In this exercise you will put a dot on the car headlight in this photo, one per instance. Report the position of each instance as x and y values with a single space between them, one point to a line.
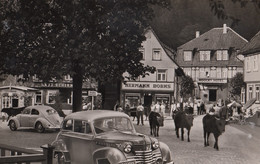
128 148
155 145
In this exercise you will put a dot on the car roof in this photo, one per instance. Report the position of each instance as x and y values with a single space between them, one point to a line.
40 107
91 115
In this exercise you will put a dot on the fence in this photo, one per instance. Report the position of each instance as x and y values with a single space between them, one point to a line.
12 154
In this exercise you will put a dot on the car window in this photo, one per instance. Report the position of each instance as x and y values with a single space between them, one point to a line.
26 111
113 124
35 112
51 111
67 125
82 127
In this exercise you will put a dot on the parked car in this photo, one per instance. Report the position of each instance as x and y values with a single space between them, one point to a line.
106 137
40 117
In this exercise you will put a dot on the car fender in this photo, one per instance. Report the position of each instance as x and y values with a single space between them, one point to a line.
44 122
166 152
113 155
15 119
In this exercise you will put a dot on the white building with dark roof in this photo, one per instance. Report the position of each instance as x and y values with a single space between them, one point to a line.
211 60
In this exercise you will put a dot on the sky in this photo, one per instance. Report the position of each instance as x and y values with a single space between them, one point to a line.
178 25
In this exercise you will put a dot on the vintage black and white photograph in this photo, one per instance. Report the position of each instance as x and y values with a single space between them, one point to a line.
129 81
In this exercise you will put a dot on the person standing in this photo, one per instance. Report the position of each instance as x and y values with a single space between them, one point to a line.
127 109
198 107
157 107
162 107
153 107
140 113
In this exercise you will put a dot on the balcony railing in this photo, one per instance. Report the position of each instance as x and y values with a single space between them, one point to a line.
212 80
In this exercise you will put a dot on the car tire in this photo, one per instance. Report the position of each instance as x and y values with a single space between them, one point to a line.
39 127
12 125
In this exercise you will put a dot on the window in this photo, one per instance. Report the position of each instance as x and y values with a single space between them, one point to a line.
142 51
222 55
187 71
255 63
50 98
38 97
202 72
26 111
218 72
157 54
187 55
204 55
243 97
257 94
68 77
247 64
35 112
161 75
67 125
79 126
250 92
213 72
224 72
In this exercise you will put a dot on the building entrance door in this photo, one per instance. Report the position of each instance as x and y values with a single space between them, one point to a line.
212 95
147 100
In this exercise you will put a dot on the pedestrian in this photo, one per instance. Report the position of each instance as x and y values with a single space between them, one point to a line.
157 107
147 110
116 105
119 108
152 107
162 109
198 107
173 109
127 109
140 113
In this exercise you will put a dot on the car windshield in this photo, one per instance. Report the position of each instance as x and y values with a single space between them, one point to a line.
113 124
51 111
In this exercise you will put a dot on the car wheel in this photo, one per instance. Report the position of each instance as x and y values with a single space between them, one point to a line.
39 127
12 125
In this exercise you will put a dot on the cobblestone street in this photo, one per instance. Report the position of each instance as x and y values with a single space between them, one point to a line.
239 144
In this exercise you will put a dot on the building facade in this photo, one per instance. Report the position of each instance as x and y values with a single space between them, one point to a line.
251 52
159 86
211 60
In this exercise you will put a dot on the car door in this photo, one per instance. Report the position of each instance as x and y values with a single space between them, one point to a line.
80 142
34 116
24 117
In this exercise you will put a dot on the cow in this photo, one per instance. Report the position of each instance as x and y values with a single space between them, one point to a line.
155 121
183 120
212 124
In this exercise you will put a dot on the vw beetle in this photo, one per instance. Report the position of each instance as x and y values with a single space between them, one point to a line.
106 137
39 117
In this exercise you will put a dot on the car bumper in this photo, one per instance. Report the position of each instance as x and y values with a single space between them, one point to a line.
169 162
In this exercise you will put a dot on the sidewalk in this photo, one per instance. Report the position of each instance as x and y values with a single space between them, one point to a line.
3 125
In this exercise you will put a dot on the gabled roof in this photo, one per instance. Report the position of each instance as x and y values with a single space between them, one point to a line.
252 46
215 39
23 88
171 53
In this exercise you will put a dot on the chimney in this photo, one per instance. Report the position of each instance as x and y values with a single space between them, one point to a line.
197 34
224 28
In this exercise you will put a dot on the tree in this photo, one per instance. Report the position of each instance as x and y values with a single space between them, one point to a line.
187 86
97 39
236 84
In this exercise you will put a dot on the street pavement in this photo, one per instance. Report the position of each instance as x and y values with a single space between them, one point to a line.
239 144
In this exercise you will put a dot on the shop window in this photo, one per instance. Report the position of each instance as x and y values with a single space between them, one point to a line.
161 75
51 97
157 54
132 100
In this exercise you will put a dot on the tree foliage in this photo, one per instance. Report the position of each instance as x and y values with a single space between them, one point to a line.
97 39
236 83
187 86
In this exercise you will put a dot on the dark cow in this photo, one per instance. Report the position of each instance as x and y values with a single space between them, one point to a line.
183 120
212 124
155 121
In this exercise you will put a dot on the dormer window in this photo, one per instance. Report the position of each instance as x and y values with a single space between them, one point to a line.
204 55
187 55
222 55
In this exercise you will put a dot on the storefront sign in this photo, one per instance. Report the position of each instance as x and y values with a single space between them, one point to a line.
57 85
147 86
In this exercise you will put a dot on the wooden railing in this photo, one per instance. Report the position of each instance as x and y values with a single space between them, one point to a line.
12 154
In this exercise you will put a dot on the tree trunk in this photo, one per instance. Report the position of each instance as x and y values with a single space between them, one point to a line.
77 89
